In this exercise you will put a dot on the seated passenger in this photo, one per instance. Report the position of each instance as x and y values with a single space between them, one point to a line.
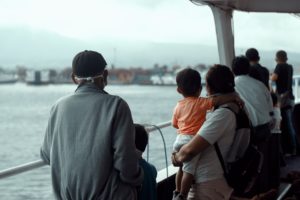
219 126
148 189
89 140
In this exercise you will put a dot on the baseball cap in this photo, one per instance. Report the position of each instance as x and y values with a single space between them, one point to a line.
88 64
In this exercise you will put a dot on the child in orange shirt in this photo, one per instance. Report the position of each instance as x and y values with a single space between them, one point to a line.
189 115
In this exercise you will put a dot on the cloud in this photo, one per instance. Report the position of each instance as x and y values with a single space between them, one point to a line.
267 31
148 20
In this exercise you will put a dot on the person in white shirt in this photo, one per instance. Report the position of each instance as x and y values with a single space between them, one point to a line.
258 103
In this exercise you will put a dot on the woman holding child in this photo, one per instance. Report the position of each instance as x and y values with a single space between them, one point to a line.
219 127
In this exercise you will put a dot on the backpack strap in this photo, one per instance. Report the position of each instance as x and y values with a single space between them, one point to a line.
221 159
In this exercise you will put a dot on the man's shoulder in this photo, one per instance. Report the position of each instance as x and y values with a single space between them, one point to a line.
265 69
243 79
248 83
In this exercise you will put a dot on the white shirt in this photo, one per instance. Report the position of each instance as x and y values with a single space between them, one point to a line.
257 98
219 126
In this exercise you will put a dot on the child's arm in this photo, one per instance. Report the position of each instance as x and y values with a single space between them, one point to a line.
227 98
174 122
174 118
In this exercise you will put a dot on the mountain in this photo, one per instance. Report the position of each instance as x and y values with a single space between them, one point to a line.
42 49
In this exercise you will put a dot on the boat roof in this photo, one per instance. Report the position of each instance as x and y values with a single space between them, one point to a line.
281 6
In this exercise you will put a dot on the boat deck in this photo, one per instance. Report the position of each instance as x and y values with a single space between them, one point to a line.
292 164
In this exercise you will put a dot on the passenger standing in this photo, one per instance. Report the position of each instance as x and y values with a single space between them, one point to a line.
189 115
89 141
283 77
259 106
257 71
219 126
275 153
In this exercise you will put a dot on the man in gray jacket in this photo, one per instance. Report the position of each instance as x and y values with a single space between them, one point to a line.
90 139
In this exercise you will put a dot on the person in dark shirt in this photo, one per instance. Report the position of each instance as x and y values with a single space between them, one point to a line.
256 70
283 77
148 189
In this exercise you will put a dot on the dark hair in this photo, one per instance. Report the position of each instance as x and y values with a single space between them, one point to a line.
252 54
281 56
88 64
141 137
189 81
220 79
274 98
240 65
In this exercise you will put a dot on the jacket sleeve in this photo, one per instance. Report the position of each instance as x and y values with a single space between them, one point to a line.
46 146
123 144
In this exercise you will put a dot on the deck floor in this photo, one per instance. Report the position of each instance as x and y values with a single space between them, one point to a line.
292 164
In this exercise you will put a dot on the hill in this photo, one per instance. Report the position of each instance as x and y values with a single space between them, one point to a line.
42 49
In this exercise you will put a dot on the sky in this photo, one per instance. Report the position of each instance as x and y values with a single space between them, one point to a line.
158 21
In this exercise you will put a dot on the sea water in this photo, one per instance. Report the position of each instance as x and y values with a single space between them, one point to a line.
24 112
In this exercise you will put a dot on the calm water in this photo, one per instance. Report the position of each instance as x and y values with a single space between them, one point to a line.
24 111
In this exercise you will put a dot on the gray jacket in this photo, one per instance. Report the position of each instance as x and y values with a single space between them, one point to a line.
89 144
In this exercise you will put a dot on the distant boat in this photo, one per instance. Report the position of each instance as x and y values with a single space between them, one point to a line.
8 78
37 77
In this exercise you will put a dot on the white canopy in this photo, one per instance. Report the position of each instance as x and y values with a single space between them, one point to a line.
283 6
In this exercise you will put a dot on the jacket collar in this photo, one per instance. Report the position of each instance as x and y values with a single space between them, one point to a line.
89 87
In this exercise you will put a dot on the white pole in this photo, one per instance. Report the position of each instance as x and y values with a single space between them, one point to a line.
225 36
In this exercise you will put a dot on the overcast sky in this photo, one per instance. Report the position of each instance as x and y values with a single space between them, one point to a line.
177 21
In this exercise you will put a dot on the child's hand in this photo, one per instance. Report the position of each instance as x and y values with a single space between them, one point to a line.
174 161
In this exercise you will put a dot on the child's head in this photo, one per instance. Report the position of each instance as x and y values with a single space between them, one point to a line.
281 56
274 98
189 82
141 137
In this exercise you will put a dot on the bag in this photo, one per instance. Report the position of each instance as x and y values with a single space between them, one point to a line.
243 161
285 100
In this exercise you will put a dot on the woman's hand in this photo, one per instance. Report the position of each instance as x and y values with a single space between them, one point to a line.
175 161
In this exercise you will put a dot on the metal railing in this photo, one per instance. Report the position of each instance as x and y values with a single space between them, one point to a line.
40 163
296 79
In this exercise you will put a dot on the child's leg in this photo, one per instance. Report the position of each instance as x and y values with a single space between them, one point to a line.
189 170
178 180
186 183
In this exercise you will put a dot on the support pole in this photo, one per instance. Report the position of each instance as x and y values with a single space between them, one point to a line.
225 36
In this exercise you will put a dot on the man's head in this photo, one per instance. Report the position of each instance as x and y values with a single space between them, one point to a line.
252 55
281 56
141 137
219 79
240 66
89 66
189 82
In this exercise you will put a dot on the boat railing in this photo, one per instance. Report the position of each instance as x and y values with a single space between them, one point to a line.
296 80
40 163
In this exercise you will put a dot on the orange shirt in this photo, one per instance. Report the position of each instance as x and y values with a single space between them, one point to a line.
189 114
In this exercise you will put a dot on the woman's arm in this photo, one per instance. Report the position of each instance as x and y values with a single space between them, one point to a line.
188 151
